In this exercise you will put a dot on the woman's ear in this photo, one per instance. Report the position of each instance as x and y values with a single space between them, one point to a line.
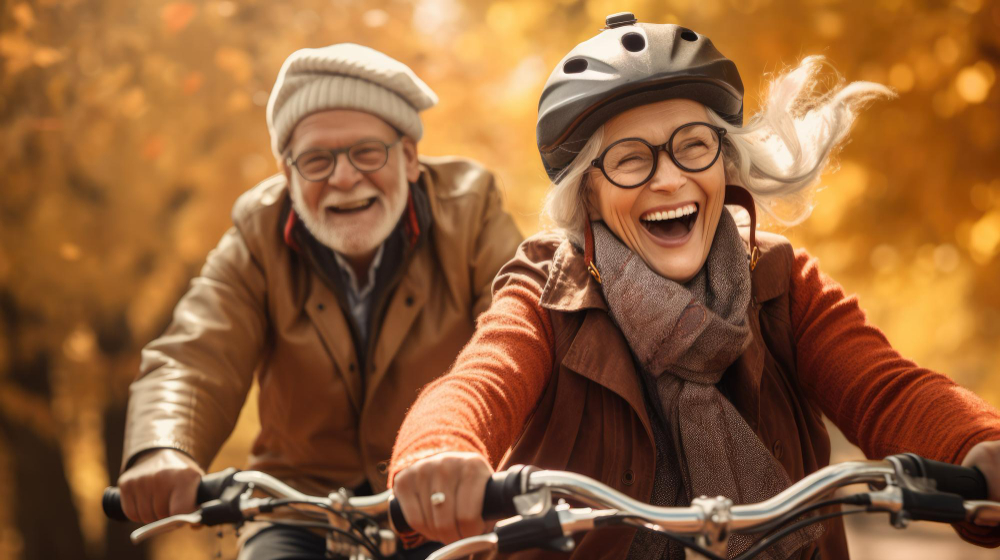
410 155
589 198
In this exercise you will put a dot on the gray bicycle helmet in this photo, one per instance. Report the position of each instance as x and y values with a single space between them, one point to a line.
627 65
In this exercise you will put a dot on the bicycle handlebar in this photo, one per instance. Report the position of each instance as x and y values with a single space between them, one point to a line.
967 482
915 488
210 488
504 486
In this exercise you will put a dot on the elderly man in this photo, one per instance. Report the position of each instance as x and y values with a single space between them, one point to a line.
348 282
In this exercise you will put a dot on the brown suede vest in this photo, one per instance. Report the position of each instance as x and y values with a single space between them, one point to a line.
592 418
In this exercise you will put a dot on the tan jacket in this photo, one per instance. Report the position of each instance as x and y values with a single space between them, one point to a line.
592 418
259 308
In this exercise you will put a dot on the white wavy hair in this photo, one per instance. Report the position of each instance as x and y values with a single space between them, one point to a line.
778 156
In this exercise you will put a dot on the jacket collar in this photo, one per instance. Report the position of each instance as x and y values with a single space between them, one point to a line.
571 287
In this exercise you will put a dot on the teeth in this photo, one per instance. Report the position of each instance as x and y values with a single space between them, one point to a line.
353 205
670 214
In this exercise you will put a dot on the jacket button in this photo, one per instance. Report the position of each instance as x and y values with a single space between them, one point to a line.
409 301
628 477
777 449
350 368
320 306
382 467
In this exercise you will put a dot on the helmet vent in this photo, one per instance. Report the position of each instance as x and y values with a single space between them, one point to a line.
689 35
575 66
633 42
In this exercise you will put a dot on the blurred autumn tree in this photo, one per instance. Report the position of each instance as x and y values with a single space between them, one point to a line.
128 129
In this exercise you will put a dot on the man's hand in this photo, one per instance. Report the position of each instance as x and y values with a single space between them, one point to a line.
458 480
161 483
986 457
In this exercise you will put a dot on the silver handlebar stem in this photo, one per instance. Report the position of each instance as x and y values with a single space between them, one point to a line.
809 489
466 547
371 505
692 520
676 519
276 487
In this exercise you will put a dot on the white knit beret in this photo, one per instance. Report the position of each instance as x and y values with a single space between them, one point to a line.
345 76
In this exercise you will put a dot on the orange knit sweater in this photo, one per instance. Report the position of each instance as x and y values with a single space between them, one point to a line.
883 403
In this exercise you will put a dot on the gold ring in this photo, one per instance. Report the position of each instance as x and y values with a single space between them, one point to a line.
437 498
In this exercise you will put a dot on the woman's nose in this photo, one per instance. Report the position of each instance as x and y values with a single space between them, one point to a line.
668 177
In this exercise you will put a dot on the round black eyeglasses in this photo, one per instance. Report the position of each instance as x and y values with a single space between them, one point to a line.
630 162
367 156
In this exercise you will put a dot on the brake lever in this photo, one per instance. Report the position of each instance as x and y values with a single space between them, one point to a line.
466 547
231 507
983 513
165 525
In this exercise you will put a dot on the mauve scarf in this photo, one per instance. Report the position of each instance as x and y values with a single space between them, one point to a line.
683 338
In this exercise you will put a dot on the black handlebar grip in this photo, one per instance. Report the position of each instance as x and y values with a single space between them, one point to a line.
396 516
498 497
210 488
933 506
502 488
213 485
967 482
112 504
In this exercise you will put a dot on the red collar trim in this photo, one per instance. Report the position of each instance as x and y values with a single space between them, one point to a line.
289 227
412 224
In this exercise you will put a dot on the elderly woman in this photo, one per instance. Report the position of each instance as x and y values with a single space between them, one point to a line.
653 344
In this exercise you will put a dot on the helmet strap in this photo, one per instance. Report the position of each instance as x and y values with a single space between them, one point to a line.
588 250
739 196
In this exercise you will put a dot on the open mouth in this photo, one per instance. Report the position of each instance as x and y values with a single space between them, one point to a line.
670 225
351 207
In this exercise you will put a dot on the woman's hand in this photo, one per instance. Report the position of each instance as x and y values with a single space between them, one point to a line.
460 478
986 457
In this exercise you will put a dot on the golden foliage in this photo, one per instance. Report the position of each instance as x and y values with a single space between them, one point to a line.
128 130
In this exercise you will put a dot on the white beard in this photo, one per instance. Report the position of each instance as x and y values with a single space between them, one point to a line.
351 241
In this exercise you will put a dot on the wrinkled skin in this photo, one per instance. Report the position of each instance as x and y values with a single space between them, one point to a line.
461 477
160 483
357 235
621 209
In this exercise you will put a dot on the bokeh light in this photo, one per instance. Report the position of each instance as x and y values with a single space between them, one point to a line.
127 130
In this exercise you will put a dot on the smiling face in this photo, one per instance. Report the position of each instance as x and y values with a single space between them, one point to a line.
351 212
670 220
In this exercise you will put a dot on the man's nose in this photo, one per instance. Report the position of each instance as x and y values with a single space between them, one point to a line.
668 177
344 176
